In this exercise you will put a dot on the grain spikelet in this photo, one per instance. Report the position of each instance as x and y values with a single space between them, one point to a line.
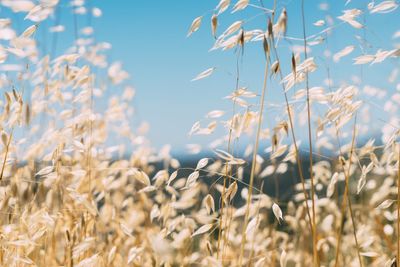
202 163
192 179
233 28
29 31
281 25
4 138
331 187
204 74
141 177
277 212
223 6
253 225
111 255
215 114
283 259
92 261
384 7
319 23
214 24
349 17
82 247
203 229
196 23
386 204
133 254
19 6
209 203
240 5
344 52
172 177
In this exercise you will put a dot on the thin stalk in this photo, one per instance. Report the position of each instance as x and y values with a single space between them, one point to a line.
226 166
346 197
354 228
298 159
229 214
346 192
89 155
314 225
253 163
254 234
398 211
222 198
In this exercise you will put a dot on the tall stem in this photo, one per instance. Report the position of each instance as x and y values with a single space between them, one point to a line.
346 197
314 225
291 125
227 177
398 209
253 163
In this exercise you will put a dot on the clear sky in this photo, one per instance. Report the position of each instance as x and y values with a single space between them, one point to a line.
149 37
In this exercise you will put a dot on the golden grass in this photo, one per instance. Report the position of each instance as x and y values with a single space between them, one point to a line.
80 186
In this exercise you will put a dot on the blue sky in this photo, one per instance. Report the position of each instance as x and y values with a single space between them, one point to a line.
149 37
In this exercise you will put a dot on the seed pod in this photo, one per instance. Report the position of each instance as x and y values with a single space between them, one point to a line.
15 94
66 72
209 248
195 25
29 31
270 28
27 114
209 204
284 125
8 98
4 138
241 38
282 22
294 66
265 46
274 141
342 160
68 237
214 24
275 67
231 192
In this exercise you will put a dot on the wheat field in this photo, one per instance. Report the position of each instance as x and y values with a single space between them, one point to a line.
315 180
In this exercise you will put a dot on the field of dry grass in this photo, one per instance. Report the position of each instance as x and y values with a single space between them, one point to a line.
79 186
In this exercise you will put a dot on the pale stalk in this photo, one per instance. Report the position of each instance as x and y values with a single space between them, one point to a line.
314 225
346 197
298 159
398 209
253 163
226 169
